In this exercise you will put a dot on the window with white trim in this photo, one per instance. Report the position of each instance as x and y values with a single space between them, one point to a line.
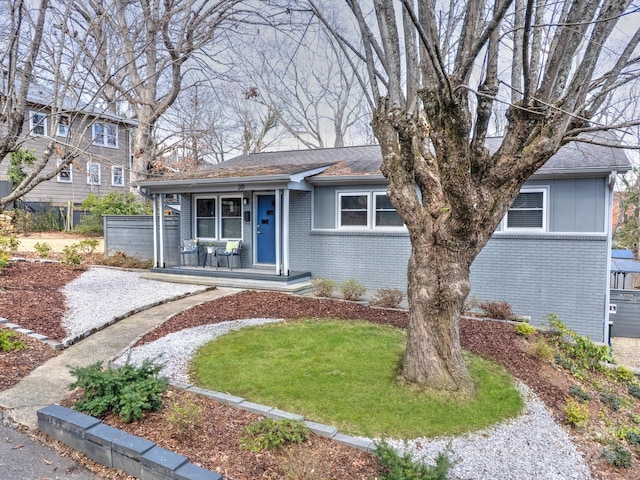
385 214
65 175
231 217
63 126
117 176
206 218
93 173
528 211
218 217
105 134
37 123
353 210
367 210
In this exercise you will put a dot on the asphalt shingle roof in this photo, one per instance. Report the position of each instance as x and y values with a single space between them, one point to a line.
365 160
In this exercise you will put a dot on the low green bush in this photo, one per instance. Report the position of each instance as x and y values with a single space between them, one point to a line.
634 390
617 455
579 393
268 433
577 414
583 352
525 329
8 341
611 400
352 290
184 415
71 255
43 249
127 391
87 245
323 287
398 467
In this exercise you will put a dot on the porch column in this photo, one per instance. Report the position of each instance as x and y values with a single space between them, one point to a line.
278 233
285 232
155 231
161 226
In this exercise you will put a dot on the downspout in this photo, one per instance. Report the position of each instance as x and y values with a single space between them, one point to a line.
161 228
609 230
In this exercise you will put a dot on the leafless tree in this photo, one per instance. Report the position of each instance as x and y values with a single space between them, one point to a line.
37 73
139 50
433 99
305 80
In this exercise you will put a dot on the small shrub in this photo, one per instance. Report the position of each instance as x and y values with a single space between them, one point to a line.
269 433
387 298
498 310
352 290
302 464
4 260
71 255
633 437
127 391
323 287
580 349
541 349
8 342
578 392
577 413
43 249
621 374
9 243
617 455
405 468
184 415
525 329
611 400
634 390
87 245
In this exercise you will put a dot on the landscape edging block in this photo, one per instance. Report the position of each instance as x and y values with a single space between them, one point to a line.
114 448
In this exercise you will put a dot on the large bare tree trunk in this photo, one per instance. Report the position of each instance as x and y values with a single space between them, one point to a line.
438 286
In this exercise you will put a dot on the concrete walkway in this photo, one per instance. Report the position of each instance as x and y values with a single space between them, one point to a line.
48 383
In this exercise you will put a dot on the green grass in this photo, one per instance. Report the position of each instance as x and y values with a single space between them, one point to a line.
343 374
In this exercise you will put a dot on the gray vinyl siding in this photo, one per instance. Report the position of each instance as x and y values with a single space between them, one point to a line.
575 204
59 193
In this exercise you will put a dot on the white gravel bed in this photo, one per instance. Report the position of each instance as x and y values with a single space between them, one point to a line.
175 350
530 446
100 294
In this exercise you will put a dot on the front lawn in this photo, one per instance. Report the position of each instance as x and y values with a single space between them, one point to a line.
343 373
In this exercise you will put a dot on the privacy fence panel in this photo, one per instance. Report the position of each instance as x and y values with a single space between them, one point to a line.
133 235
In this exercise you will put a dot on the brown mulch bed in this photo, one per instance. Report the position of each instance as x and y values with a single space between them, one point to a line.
29 296
17 364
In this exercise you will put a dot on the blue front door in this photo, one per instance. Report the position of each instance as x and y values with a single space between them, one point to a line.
266 229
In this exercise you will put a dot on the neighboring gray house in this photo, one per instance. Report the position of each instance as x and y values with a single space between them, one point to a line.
324 213
102 138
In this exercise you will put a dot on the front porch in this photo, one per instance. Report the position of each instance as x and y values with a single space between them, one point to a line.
247 277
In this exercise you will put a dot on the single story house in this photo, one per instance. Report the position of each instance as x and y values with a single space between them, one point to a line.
324 213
